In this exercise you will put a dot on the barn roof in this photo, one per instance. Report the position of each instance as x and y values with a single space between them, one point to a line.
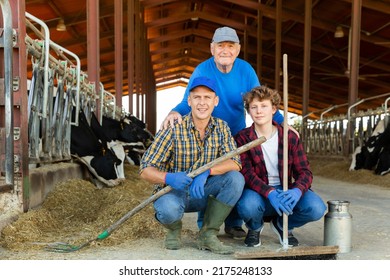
178 33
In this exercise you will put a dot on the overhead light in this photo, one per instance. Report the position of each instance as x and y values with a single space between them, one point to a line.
61 25
195 9
339 33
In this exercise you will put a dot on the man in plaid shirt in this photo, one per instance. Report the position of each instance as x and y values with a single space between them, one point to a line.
178 150
262 168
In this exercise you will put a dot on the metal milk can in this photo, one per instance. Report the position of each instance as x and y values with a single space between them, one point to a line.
338 226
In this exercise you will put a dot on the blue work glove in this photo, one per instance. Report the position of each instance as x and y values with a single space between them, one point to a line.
197 186
290 197
275 201
178 180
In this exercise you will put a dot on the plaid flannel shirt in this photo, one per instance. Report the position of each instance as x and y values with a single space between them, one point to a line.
180 149
254 169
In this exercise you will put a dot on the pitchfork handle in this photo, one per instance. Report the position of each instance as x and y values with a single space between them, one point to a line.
192 174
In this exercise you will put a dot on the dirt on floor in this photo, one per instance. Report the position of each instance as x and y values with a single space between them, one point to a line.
76 212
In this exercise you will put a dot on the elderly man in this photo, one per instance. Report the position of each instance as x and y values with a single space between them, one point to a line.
233 77
182 148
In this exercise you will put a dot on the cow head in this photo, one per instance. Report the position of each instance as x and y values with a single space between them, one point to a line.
132 133
105 165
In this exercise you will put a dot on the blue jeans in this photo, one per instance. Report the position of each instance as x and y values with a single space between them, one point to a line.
226 188
234 219
252 207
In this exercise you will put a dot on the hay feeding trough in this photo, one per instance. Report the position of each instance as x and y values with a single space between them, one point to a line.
76 211
338 169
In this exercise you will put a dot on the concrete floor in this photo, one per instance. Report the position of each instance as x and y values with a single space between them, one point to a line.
369 206
370 209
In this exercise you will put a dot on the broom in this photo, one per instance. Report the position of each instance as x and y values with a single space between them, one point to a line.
286 250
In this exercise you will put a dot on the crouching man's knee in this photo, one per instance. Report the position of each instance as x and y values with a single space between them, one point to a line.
232 186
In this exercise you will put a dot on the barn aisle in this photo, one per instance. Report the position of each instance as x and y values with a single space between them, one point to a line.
370 235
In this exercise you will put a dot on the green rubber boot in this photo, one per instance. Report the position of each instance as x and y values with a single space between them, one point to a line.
215 215
173 236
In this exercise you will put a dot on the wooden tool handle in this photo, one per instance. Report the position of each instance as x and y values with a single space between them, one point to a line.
229 155
192 174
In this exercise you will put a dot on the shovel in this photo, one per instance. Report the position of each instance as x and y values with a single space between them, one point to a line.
65 247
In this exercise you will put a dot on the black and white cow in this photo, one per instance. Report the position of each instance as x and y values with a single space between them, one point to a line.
383 166
138 128
136 149
103 134
104 148
131 133
374 154
97 154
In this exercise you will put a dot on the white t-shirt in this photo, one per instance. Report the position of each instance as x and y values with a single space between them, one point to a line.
270 151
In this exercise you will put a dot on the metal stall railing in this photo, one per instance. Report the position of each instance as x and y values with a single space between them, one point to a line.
6 42
40 103
63 110
108 106
50 118
357 134
387 112
329 136
107 99
46 117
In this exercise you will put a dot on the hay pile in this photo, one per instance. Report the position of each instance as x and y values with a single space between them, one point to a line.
76 211
338 169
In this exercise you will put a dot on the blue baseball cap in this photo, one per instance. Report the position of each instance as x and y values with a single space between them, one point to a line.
225 34
204 81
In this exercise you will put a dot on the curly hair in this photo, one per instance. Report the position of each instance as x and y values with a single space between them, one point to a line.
262 93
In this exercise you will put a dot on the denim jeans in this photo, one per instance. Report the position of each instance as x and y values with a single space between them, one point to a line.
252 207
234 219
226 188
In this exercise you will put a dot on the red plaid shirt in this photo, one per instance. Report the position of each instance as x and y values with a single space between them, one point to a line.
254 169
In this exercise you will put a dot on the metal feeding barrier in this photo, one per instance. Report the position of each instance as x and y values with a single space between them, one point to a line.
7 42
334 135
58 88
